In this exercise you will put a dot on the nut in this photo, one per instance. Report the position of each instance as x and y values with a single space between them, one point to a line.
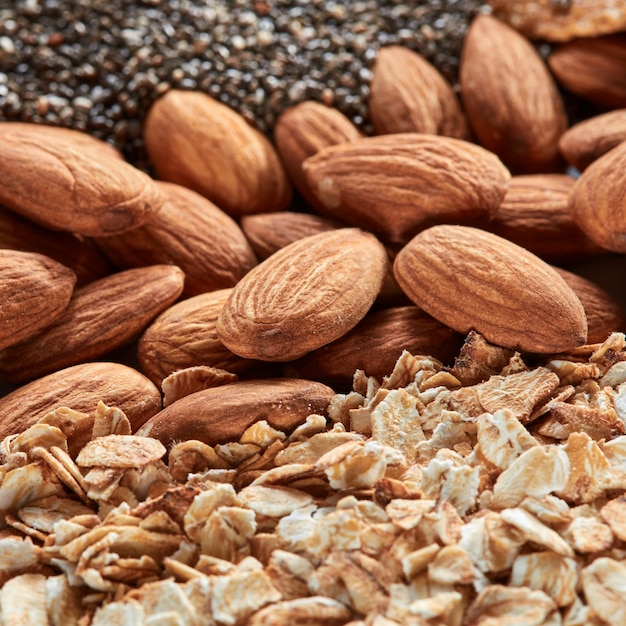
469 279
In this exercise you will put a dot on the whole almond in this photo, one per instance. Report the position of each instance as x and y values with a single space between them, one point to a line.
396 185
185 335
199 143
81 387
65 180
221 414
592 68
534 214
35 291
588 140
374 346
510 99
191 232
302 131
304 296
598 203
470 279
604 314
102 316
409 95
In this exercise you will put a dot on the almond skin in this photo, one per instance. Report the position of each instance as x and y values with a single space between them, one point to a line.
374 346
81 387
396 185
590 139
35 291
598 200
304 296
302 131
534 214
102 316
221 414
409 95
65 180
185 335
510 99
199 143
190 232
470 279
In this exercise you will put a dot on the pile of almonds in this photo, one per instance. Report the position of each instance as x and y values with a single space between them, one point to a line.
254 293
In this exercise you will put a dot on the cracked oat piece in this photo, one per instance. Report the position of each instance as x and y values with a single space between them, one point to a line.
186 381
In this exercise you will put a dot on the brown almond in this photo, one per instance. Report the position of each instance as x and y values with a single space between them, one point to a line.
593 68
221 414
199 143
190 232
65 180
302 131
396 185
102 316
34 290
374 346
409 95
81 387
598 203
510 99
185 335
304 296
590 139
604 314
470 279
534 214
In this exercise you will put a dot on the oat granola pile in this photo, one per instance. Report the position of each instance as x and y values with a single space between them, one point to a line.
485 494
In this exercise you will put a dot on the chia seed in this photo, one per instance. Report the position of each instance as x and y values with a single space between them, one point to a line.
99 66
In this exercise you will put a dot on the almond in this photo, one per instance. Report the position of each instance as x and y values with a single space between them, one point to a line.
396 185
185 335
190 232
597 201
470 279
534 214
604 314
588 140
303 296
409 95
593 69
510 99
35 290
374 346
221 414
80 388
302 131
102 316
199 143
65 180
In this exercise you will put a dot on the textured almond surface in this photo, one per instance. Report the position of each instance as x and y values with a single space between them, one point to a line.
67 180
408 94
469 279
80 387
102 316
590 139
185 335
191 232
199 143
598 200
397 184
221 414
34 291
304 296
510 99
593 69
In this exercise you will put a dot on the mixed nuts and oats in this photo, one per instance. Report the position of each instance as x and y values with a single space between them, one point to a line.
290 321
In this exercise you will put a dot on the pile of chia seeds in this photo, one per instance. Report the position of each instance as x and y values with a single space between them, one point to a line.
98 66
